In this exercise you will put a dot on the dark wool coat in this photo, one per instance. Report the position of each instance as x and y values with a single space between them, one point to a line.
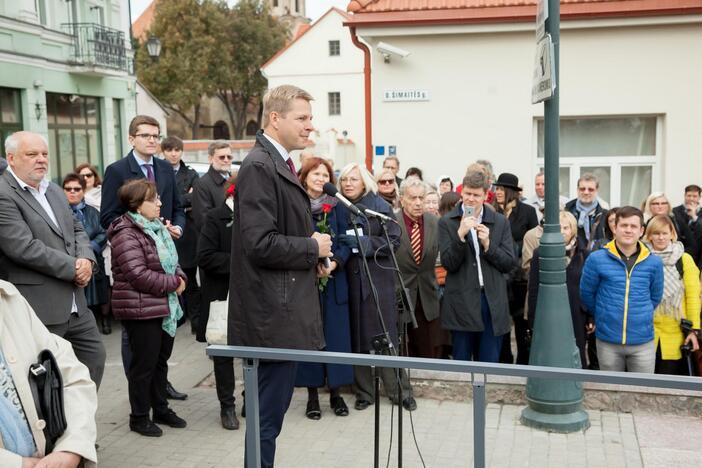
577 312
208 193
335 311
141 287
214 248
187 244
689 233
598 223
273 300
96 292
364 316
460 308
420 279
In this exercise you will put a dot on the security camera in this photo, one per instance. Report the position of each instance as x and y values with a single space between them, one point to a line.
387 50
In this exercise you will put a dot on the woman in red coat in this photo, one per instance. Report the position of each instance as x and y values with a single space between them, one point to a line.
147 282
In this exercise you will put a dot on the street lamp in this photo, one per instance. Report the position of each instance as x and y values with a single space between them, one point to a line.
153 47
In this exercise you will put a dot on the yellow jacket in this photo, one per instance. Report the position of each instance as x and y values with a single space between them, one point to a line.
666 328
22 337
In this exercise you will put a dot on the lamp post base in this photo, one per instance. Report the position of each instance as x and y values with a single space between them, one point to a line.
577 420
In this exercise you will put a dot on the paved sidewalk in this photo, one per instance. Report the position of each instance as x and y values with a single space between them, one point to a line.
443 430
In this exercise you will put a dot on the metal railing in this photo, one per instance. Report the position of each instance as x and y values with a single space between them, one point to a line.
100 46
479 370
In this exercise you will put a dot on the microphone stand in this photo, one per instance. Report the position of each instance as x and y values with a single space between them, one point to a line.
380 342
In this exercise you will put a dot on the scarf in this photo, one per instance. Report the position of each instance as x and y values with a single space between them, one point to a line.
318 203
78 211
507 210
570 249
584 212
673 287
169 261
14 429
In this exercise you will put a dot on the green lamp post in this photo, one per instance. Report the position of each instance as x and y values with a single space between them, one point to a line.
553 405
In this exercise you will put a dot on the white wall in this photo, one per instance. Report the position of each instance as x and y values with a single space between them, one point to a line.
307 64
146 105
480 85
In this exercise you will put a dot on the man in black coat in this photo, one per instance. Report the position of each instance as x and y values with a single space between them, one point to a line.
273 296
208 192
172 148
591 216
477 251
688 214
144 136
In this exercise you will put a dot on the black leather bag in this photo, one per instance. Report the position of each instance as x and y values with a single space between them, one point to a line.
47 389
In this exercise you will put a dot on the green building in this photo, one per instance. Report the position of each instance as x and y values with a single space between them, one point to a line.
66 71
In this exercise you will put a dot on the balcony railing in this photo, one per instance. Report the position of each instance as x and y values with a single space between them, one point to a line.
99 46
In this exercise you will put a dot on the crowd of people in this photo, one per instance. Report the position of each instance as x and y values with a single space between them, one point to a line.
152 244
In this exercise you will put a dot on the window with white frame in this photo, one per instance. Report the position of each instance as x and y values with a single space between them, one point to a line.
623 152
335 103
334 48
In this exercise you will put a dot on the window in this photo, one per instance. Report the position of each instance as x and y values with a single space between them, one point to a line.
117 122
297 6
335 103
334 48
251 128
623 152
10 115
74 133
41 11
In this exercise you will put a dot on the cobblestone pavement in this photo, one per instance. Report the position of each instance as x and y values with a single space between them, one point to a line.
443 431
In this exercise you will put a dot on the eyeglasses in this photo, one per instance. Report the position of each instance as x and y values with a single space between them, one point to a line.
352 180
227 157
586 189
72 189
88 175
662 203
386 181
154 200
148 136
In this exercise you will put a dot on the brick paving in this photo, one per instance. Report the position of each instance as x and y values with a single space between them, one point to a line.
443 430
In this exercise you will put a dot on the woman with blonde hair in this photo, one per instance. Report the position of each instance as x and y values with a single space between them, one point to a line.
681 296
658 204
387 188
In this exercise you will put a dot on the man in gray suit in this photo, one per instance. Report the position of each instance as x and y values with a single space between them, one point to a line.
44 250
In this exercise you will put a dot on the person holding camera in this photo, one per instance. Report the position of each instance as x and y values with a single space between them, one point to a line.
681 297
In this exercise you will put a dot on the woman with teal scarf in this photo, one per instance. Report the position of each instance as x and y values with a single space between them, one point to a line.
147 283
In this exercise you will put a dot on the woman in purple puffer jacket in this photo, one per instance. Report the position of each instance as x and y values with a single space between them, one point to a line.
147 282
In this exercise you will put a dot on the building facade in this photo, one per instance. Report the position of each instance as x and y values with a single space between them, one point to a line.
67 73
457 87
324 62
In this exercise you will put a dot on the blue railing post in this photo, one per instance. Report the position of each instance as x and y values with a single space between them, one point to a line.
479 421
253 425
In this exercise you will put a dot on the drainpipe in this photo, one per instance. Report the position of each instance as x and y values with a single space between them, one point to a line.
367 87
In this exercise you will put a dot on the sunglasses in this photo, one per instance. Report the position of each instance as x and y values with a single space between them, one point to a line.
88 175
226 157
72 189
386 182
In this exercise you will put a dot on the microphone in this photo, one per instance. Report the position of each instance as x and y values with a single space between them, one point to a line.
332 191
375 214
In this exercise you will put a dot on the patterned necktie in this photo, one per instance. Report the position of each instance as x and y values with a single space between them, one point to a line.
149 173
291 165
416 243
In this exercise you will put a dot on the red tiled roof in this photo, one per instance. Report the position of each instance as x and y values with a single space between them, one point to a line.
141 25
301 31
402 12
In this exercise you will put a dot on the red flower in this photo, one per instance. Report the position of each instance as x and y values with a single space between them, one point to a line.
326 208
231 189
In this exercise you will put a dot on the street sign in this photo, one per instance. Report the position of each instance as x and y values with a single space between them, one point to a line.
541 15
544 83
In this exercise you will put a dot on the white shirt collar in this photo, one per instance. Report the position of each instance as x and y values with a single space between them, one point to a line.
43 185
283 152
140 161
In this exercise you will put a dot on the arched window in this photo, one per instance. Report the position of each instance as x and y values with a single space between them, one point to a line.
220 130
251 128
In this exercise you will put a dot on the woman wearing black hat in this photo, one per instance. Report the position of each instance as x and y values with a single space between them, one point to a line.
522 217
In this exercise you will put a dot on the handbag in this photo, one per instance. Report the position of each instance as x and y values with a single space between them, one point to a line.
47 389
216 331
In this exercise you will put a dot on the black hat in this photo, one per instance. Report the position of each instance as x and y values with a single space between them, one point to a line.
508 180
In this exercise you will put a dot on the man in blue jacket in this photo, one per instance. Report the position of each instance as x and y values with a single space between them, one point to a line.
621 286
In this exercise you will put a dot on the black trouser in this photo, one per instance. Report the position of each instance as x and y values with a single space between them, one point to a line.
224 380
670 366
192 297
150 348
81 331
518 291
276 382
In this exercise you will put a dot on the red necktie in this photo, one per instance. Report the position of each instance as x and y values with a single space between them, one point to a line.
291 165
416 243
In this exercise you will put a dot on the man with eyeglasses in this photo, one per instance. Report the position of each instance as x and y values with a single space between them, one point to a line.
44 250
591 215
140 162
392 163
208 191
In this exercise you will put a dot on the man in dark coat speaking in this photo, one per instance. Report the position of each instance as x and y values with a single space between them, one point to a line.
273 300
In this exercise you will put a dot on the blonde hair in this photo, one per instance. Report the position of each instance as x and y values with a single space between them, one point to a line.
657 224
279 100
366 177
567 216
647 204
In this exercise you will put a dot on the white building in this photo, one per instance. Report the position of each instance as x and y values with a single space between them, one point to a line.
629 93
323 61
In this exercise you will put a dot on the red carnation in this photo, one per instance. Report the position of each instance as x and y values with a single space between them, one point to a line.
231 189
326 208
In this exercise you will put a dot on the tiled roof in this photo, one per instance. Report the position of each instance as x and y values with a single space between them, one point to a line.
398 12
142 24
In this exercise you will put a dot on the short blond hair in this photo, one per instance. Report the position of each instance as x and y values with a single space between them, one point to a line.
279 100
568 217
657 224
366 177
